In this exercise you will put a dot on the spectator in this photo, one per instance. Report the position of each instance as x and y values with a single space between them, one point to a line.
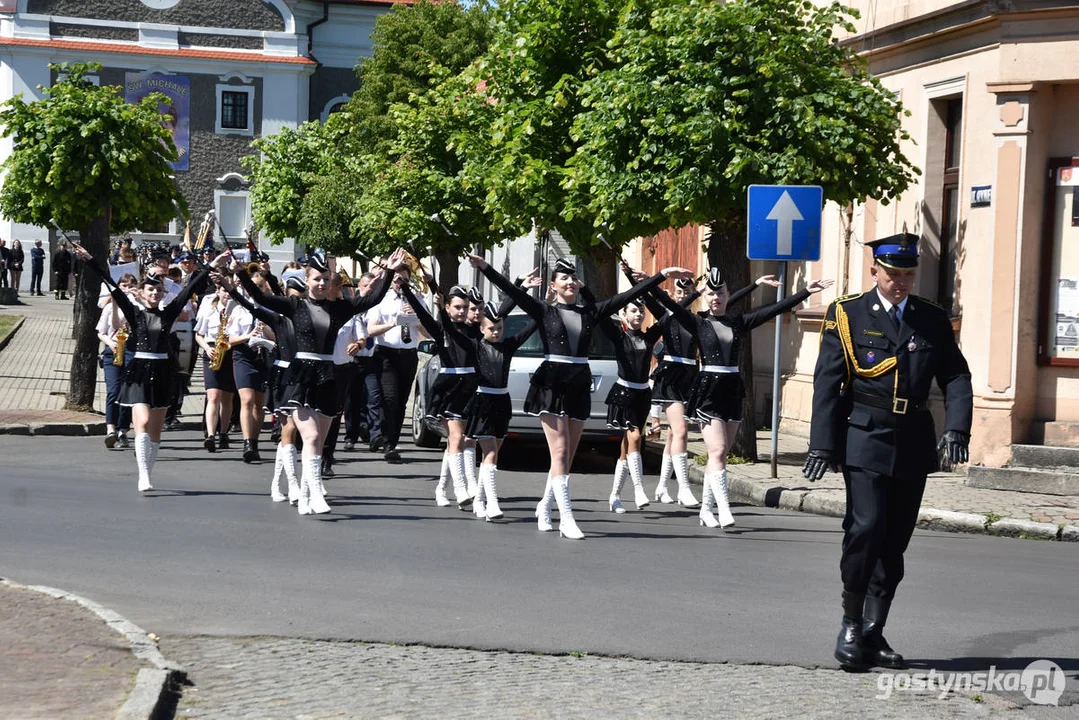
37 268
4 253
16 257
61 267
117 417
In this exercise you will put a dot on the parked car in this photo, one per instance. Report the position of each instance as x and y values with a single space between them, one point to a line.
429 433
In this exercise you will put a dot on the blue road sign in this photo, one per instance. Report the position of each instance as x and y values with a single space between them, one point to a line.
784 222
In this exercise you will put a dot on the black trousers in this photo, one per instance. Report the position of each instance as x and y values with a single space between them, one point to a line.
61 283
881 514
398 368
36 274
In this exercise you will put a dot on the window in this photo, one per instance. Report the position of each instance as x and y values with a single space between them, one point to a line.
949 213
235 110
233 215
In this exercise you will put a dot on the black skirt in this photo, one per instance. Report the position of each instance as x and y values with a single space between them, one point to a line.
220 379
716 396
628 407
449 395
313 384
488 416
275 400
673 382
248 368
560 389
148 382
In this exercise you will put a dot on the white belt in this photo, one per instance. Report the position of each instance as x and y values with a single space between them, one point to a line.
281 363
151 356
457 371
570 359
632 385
492 391
720 368
314 356
682 360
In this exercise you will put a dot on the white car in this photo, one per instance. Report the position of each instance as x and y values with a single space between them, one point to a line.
429 433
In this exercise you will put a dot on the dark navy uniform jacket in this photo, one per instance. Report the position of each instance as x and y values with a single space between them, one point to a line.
872 384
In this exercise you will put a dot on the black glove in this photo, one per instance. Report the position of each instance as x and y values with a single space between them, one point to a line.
953 446
817 463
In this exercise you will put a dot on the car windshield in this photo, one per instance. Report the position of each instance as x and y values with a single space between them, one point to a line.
602 348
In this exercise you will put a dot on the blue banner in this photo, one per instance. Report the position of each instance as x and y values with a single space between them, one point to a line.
176 112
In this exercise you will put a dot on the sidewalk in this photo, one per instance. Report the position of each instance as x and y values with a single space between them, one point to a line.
62 656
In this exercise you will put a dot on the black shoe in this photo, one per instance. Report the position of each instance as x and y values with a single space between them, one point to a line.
327 467
392 454
223 441
350 444
122 441
210 444
876 649
251 451
848 646
377 443
110 440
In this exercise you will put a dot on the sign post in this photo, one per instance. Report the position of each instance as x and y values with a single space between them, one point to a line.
783 224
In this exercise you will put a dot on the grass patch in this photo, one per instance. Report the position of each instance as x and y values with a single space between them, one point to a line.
732 459
7 324
990 518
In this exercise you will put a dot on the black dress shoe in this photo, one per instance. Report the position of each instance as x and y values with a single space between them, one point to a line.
210 444
223 441
392 454
848 646
876 649
251 451
327 467
377 443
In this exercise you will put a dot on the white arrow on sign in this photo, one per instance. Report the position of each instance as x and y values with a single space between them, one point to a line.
785 213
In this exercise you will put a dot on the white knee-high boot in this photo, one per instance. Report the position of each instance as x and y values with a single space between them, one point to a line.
313 473
708 501
303 503
460 486
635 463
567 526
681 474
479 502
488 473
620 473
288 465
154 447
470 471
543 508
666 467
443 478
142 459
278 471
723 505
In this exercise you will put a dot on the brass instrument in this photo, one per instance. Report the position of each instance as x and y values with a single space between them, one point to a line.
253 267
221 344
204 231
417 272
121 344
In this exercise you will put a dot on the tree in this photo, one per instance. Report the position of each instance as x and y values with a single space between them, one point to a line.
83 158
703 99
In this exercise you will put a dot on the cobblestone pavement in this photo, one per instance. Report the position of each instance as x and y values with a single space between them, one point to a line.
283 678
59 660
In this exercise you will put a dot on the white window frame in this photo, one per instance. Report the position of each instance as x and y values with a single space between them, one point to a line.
340 99
218 194
250 129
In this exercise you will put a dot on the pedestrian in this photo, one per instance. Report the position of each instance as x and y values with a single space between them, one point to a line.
212 318
395 327
16 257
561 388
363 412
880 353
716 398
148 380
112 331
311 380
37 268
61 267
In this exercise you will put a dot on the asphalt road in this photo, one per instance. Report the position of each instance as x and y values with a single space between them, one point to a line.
208 553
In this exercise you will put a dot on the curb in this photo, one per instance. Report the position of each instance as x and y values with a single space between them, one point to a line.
146 699
928 518
54 429
11 333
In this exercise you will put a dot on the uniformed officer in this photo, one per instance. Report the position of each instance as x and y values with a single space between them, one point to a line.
880 351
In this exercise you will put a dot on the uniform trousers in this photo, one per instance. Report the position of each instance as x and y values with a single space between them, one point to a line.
364 403
398 370
881 514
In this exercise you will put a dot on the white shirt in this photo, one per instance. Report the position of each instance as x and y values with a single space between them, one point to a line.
240 321
888 306
208 318
352 331
389 310
104 323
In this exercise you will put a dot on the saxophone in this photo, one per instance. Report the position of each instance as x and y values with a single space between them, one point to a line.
221 345
121 345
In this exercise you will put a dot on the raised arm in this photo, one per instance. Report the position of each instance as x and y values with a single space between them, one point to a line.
261 313
429 323
521 337
276 303
179 303
613 304
769 280
123 302
755 318
535 309
366 302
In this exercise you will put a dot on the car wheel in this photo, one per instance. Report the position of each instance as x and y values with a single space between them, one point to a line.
422 436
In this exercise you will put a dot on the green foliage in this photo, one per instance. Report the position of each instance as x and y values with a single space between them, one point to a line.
702 99
82 152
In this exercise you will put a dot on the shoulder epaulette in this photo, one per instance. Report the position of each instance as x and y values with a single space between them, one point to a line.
847 298
927 301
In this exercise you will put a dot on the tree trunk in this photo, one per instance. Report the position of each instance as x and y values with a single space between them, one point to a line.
448 268
727 250
84 360
599 271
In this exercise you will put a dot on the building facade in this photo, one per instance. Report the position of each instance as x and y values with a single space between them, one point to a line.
234 70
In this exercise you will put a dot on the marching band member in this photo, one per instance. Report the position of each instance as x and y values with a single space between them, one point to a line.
560 392
149 379
247 336
211 334
109 328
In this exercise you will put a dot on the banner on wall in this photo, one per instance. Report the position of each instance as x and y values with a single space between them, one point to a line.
176 112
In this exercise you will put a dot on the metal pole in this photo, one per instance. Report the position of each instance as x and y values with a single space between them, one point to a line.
775 371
